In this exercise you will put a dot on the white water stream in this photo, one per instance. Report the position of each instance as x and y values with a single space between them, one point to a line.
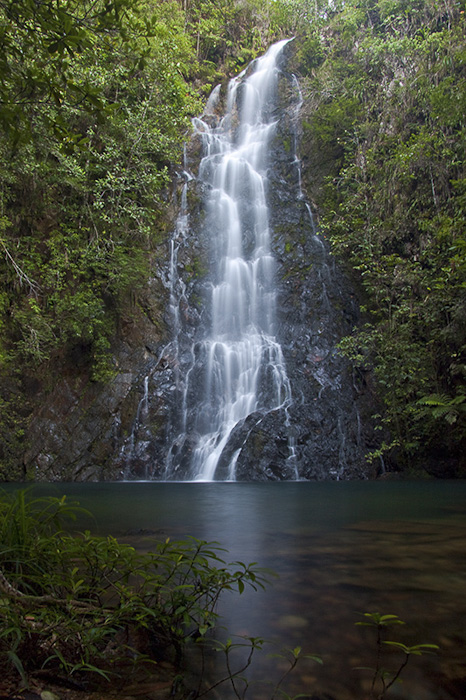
244 370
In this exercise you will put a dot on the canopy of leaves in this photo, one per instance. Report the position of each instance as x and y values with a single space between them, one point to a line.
94 106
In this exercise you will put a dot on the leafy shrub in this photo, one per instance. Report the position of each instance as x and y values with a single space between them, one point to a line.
78 603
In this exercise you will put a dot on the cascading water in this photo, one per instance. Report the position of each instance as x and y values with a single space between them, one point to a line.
239 363
203 393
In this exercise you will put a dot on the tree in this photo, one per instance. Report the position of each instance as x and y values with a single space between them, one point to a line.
38 41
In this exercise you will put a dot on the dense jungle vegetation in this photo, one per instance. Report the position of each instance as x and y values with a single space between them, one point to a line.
386 116
95 103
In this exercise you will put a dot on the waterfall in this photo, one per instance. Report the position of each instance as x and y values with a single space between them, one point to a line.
238 364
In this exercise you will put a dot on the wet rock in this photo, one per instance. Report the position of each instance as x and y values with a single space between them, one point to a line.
87 431
125 429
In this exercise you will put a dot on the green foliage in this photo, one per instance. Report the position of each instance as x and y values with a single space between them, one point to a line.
81 604
382 679
380 621
385 123
38 43
239 683
94 107
442 406
292 657
226 36
83 607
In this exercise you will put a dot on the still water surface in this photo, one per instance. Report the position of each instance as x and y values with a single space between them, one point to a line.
340 548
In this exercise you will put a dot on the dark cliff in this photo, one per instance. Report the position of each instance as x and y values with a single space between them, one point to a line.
122 430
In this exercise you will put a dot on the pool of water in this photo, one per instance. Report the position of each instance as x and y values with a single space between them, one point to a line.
340 549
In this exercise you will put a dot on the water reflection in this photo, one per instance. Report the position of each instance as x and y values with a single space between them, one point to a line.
339 548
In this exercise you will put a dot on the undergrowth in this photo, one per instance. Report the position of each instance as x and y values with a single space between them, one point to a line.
85 609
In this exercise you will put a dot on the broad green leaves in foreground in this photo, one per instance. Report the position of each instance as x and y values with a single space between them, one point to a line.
77 603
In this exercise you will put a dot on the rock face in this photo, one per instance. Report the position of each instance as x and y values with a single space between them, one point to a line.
128 428
326 431
330 417
328 423
87 431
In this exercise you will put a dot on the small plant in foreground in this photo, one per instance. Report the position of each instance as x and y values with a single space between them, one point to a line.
234 676
293 657
382 679
77 604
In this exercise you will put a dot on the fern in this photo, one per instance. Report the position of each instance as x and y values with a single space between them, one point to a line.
445 407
